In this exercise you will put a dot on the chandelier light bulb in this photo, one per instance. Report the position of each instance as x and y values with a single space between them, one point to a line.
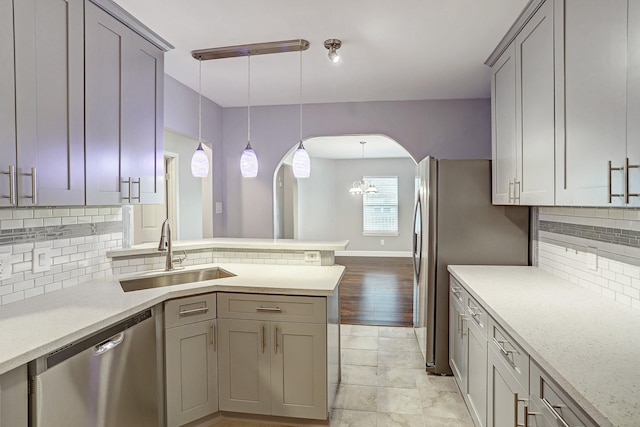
333 45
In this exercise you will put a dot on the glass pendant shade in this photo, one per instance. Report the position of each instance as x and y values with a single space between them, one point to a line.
249 162
356 188
301 163
200 163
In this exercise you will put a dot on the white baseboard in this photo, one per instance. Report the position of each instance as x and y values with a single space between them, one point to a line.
386 254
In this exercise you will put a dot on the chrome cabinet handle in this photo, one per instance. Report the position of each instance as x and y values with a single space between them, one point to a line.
128 182
12 185
34 184
139 189
212 326
554 412
516 401
511 190
269 309
193 311
626 180
262 336
519 184
611 194
463 318
275 337
503 350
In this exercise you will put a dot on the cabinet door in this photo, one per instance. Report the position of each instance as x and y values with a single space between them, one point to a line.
633 102
506 396
457 349
7 102
191 372
142 121
535 122
299 370
105 39
244 362
591 61
14 408
476 387
503 126
50 101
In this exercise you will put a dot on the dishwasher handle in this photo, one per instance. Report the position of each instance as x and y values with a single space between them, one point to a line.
109 344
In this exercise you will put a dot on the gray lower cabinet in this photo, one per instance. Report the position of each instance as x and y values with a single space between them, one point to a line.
273 355
457 333
124 113
14 398
476 342
191 370
42 150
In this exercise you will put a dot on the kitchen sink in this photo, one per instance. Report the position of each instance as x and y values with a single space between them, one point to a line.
174 278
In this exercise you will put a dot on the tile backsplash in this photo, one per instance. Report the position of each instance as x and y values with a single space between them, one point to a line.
596 248
76 239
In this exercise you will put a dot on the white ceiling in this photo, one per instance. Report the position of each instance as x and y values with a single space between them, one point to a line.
392 50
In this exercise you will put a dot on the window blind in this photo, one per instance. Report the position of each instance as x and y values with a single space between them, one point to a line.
380 210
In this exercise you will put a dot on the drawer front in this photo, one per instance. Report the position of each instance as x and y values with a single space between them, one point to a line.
272 307
182 311
517 359
457 292
477 315
554 402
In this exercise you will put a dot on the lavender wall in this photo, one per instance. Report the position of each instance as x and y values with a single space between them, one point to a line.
181 116
447 129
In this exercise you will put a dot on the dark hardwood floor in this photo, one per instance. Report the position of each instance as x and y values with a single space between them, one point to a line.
376 291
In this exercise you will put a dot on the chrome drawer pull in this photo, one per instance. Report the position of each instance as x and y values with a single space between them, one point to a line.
269 309
507 353
526 412
193 311
554 412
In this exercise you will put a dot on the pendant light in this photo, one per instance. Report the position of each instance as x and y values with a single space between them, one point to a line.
200 160
249 160
301 160
362 186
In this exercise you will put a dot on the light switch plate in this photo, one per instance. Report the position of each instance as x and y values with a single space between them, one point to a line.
218 207
5 266
41 260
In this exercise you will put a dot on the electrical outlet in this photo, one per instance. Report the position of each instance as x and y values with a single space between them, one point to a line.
41 260
382 242
218 207
5 266
311 256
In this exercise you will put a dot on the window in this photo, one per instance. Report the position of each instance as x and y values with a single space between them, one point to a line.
380 210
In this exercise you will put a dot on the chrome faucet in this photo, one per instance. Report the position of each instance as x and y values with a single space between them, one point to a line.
165 244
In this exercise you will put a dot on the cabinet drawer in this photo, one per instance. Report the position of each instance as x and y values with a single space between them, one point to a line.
477 315
554 402
457 291
272 307
182 311
517 359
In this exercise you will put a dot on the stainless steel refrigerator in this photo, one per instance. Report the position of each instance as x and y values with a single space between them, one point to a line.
455 223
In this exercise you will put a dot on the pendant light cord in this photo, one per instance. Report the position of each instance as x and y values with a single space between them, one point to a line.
301 97
200 103
249 102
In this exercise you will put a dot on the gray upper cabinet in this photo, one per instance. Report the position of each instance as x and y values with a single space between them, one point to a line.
633 106
124 101
7 107
591 80
49 89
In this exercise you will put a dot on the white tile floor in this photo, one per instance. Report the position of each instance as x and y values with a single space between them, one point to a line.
384 384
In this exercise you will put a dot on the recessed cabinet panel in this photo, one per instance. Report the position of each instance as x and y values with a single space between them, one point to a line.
298 373
535 105
591 76
457 333
503 125
477 374
7 103
50 100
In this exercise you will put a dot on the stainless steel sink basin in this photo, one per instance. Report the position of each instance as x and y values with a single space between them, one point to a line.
174 278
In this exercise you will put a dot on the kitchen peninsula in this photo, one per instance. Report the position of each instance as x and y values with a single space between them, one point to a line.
289 286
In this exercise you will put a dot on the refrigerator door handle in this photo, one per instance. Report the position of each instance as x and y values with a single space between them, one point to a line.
417 237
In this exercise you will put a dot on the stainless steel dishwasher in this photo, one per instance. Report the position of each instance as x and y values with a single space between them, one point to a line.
110 379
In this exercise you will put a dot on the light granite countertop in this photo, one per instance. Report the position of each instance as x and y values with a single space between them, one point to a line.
590 345
36 326
235 243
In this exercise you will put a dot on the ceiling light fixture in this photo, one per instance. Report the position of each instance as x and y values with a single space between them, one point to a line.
333 45
249 160
362 186
200 160
251 49
301 160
